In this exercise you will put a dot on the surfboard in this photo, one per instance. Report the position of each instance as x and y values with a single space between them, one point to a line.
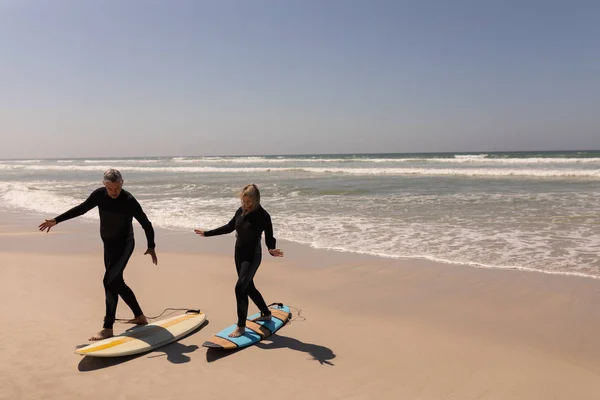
145 338
255 331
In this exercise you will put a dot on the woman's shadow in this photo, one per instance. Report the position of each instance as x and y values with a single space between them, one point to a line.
318 353
175 352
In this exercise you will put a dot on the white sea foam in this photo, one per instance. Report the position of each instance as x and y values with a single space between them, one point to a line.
510 161
491 172
458 159
27 161
470 156
474 172
25 196
551 226
123 161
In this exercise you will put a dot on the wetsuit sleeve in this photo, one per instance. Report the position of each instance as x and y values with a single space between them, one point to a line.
223 230
87 205
141 217
270 241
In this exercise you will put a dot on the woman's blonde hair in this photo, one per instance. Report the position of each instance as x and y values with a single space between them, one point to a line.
253 193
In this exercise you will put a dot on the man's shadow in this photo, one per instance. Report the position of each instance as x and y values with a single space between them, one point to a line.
175 353
318 353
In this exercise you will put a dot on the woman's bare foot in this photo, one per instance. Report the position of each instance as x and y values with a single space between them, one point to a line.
263 318
239 331
103 334
141 320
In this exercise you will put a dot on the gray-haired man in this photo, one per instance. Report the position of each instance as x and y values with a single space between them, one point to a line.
117 208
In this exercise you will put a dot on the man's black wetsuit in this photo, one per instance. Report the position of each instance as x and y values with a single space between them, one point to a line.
116 231
248 255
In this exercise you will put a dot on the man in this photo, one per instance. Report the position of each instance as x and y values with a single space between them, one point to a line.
116 207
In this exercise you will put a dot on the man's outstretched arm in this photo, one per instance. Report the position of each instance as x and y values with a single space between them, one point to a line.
87 205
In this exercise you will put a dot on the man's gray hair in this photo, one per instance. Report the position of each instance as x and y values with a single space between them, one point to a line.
112 175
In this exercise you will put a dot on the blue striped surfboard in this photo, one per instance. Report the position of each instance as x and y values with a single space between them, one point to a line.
255 331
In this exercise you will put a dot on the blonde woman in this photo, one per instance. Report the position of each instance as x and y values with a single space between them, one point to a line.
249 222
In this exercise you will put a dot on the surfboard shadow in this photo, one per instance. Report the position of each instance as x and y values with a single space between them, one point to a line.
213 354
175 353
318 353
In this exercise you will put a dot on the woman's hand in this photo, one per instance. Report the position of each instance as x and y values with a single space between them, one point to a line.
276 252
199 232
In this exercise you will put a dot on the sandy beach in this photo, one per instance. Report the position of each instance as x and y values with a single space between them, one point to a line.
430 171
368 327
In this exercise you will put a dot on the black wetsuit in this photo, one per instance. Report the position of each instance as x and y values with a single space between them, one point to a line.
248 256
116 231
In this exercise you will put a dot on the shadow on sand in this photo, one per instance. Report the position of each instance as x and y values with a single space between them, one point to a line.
318 353
175 353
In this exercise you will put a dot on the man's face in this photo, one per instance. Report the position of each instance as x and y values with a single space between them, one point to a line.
113 188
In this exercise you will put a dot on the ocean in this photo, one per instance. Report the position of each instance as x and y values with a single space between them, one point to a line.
537 211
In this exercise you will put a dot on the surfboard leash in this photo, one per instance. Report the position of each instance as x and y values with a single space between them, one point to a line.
298 312
187 310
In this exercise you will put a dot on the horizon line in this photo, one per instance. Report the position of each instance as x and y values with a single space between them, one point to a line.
478 152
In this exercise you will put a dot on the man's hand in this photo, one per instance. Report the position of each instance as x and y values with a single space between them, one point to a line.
199 232
48 224
153 255
276 252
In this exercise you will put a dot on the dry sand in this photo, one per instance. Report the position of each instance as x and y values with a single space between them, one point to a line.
369 328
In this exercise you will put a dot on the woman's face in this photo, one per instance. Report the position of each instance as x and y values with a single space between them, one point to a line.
247 203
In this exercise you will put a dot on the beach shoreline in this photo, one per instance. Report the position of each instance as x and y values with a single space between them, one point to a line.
530 212
368 326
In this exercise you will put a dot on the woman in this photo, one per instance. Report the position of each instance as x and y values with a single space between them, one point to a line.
249 221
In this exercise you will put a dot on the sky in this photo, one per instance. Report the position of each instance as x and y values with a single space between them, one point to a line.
167 78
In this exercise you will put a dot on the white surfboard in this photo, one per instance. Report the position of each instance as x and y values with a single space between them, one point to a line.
144 338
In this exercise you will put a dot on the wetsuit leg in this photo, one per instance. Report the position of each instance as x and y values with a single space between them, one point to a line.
115 261
257 299
246 269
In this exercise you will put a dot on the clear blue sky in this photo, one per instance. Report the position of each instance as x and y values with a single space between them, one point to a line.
142 78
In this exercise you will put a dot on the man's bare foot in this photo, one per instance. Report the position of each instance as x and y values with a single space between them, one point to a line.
239 331
141 320
103 334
